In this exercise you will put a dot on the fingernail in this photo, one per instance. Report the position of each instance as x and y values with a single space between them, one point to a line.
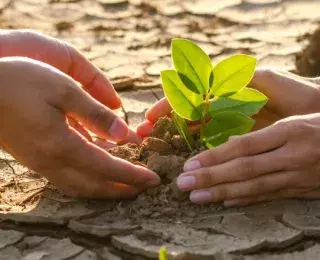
200 196
119 129
186 182
191 166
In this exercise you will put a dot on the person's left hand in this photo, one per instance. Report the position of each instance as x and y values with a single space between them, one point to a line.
280 161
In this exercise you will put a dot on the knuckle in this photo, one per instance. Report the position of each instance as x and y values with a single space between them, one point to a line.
221 193
242 144
97 115
207 178
66 92
246 167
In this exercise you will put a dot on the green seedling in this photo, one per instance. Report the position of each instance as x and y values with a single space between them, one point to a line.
163 255
216 96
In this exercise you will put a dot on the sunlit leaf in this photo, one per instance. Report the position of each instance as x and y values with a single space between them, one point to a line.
185 103
232 74
193 65
183 130
247 101
226 124
163 255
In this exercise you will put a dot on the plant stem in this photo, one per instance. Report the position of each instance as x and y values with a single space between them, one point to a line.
204 115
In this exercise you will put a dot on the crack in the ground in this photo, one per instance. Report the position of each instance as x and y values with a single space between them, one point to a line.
125 114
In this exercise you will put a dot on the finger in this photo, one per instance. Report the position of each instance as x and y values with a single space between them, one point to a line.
80 129
132 137
98 164
253 143
104 144
79 184
94 116
92 79
160 109
145 129
236 170
253 187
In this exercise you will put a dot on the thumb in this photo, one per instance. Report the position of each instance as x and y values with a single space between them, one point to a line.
92 79
97 118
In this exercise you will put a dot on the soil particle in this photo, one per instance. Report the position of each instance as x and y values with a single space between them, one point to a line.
176 192
166 201
169 166
129 152
308 61
179 144
164 128
156 145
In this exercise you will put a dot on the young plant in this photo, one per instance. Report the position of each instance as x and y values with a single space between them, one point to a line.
216 96
163 255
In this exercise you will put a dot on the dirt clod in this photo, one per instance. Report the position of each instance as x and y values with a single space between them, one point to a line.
129 152
176 192
166 166
156 145
308 61
165 153
164 128
179 143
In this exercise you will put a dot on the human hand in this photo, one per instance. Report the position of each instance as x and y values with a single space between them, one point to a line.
64 57
35 100
279 161
288 95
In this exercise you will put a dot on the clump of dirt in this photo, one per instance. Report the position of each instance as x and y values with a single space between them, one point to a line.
164 129
129 152
164 153
308 61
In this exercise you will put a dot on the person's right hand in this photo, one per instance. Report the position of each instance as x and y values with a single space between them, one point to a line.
288 95
35 101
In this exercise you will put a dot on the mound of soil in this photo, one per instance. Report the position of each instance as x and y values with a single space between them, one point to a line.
164 153
308 61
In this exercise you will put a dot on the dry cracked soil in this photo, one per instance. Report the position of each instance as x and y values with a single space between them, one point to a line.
130 41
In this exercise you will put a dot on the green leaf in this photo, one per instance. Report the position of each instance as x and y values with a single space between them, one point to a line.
232 74
183 130
247 101
193 65
163 254
226 124
184 102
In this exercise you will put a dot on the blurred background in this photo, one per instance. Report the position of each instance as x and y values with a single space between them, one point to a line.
130 39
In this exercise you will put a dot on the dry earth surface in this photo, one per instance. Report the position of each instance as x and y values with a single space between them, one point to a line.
130 40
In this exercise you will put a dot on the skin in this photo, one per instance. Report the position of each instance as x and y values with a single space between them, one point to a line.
280 159
49 100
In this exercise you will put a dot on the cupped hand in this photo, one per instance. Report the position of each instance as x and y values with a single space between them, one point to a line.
35 101
279 161
288 95
67 59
